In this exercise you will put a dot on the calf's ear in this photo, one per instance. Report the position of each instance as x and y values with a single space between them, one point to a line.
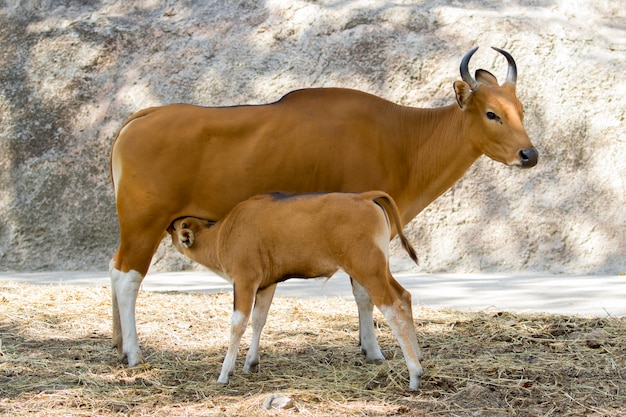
187 238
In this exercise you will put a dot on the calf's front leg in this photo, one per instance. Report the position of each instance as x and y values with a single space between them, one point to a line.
244 297
262 304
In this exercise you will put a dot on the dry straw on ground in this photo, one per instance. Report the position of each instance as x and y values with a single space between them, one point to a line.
56 359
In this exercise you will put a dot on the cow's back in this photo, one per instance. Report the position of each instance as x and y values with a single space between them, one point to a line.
201 161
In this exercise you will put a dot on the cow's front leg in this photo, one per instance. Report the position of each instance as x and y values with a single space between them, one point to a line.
124 289
367 332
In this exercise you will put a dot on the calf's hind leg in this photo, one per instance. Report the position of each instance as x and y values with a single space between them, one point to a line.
394 307
405 296
405 334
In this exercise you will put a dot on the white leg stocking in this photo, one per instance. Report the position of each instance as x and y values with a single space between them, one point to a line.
367 333
124 287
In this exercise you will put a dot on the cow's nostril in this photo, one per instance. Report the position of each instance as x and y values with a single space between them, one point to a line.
529 157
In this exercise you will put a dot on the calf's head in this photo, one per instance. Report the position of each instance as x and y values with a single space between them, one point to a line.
495 114
184 230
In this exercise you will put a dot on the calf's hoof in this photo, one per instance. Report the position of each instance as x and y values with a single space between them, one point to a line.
252 367
414 384
133 359
415 380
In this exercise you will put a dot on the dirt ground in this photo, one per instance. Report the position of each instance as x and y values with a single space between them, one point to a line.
56 360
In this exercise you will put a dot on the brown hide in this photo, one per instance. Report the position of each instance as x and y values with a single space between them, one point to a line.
184 160
272 237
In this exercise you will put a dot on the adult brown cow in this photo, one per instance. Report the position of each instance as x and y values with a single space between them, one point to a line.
183 160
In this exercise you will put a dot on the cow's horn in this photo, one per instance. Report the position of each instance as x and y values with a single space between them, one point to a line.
511 75
465 75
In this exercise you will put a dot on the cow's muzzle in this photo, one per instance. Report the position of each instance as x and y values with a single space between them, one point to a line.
528 157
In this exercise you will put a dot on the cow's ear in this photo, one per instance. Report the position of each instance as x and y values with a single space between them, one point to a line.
486 77
463 92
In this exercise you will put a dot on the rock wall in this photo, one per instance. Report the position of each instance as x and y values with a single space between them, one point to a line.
70 74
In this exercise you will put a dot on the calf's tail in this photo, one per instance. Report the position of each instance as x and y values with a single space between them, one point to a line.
389 205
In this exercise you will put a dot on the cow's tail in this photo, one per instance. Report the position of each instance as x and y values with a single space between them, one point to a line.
386 202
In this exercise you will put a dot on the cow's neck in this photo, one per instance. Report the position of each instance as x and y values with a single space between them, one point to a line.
441 154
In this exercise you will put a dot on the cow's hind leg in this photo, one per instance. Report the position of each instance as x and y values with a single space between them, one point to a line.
262 304
124 289
117 325
127 270
367 332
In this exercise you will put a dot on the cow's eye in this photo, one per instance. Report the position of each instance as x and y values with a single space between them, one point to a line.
492 116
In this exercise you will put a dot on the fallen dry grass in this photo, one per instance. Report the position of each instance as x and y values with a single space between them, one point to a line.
56 360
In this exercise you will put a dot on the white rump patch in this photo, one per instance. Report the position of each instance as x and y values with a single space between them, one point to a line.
116 172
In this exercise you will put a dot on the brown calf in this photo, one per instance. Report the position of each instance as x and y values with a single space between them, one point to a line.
273 237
